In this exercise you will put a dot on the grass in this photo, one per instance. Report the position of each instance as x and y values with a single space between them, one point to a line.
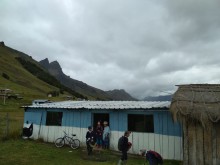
22 152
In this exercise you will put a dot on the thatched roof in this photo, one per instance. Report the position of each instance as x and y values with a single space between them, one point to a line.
197 102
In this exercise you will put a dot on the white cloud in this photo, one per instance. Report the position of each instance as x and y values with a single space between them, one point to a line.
144 47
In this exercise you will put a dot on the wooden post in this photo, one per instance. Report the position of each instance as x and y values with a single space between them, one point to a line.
192 143
185 142
218 142
208 143
4 96
214 144
4 99
7 125
199 144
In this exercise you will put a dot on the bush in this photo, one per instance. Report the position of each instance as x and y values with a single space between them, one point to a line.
5 76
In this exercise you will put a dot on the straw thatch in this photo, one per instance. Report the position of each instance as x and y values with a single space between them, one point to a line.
197 102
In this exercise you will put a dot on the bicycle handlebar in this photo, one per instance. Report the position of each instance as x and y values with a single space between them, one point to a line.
66 133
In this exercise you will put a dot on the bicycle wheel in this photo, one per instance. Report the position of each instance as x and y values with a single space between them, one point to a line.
59 142
75 143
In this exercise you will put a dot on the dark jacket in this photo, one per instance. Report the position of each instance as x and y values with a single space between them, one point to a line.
90 136
125 145
99 131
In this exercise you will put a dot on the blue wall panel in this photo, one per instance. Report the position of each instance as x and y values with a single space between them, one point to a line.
86 119
33 116
163 123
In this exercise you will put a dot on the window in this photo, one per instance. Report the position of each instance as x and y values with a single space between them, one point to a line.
140 123
54 118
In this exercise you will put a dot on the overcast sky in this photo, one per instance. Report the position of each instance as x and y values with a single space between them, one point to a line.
143 46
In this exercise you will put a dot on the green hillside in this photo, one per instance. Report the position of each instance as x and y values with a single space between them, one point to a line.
14 76
26 79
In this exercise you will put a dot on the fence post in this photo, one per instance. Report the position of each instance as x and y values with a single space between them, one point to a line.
7 125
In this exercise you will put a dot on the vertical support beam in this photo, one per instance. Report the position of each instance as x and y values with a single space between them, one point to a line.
199 144
214 145
208 143
218 142
185 142
7 125
192 143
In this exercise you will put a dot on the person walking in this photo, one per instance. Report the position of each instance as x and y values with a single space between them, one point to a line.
105 136
125 146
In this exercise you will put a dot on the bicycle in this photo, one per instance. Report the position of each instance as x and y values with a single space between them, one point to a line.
61 141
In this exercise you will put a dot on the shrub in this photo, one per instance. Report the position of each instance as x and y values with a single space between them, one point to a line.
5 76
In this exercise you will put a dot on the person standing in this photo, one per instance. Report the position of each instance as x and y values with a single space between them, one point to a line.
105 136
99 132
124 148
90 139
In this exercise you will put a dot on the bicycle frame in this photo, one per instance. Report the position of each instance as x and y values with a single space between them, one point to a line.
66 139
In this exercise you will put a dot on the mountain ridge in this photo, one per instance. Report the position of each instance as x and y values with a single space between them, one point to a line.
55 69
158 98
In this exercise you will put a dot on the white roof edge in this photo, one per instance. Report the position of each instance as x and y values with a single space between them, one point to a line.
103 105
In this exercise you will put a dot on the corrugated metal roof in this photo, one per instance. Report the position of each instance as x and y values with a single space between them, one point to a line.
104 105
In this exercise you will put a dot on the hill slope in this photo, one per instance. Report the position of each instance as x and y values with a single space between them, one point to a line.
14 76
19 79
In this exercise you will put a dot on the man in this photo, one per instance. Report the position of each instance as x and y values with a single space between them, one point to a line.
90 139
125 146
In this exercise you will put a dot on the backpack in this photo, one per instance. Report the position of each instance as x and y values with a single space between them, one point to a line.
120 143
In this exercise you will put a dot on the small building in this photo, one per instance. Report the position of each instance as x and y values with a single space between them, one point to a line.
150 122
197 107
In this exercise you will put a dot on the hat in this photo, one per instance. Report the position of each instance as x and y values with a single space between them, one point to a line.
105 122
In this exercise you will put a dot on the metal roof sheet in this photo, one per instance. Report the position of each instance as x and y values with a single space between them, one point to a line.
104 105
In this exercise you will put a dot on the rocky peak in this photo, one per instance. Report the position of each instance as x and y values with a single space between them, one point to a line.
45 63
120 94
54 67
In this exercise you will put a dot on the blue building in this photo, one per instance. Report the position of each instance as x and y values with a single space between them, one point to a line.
151 123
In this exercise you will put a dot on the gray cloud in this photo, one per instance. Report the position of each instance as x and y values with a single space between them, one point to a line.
144 47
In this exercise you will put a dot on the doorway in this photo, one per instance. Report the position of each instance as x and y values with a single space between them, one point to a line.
100 117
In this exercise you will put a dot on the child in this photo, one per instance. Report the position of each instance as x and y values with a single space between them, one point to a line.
90 139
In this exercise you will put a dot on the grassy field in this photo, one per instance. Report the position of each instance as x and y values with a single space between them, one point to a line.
23 152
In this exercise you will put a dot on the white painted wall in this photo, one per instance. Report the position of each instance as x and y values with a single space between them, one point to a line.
170 147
